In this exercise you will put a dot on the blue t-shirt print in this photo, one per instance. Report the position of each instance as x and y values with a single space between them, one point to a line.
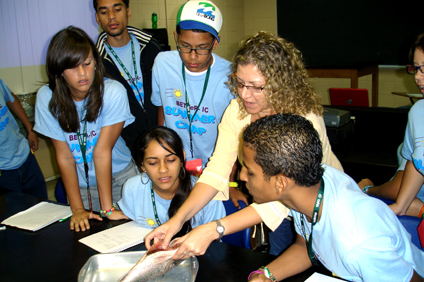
179 110
3 121
92 139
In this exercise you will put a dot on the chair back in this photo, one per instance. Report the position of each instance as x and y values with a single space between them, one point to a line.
241 238
409 222
349 97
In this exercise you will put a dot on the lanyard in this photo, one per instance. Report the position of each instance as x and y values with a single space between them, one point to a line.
317 206
82 140
126 71
152 193
190 119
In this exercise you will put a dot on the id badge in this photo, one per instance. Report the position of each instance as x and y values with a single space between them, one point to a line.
420 230
194 166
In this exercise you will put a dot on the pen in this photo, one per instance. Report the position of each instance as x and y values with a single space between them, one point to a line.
65 218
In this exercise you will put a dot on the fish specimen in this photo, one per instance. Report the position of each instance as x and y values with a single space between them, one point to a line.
154 263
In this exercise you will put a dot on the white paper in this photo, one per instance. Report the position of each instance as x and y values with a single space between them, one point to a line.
118 238
38 216
318 277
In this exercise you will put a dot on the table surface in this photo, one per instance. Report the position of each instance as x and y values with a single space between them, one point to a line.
54 253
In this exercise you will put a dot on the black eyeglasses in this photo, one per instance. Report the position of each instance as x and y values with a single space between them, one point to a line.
251 89
414 69
199 51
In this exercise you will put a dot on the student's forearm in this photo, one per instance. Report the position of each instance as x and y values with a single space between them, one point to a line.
102 158
69 176
233 174
411 184
240 220
161 116
68 173
199 197
293 261
103 167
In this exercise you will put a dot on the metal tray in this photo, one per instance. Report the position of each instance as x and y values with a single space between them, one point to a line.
111 267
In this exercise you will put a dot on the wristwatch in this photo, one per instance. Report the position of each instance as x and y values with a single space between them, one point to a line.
220 229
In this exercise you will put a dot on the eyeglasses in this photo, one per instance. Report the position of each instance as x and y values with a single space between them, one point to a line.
199 51
414 69
251 89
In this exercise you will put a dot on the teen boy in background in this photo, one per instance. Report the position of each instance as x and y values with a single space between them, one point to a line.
128 55
189 85
19 169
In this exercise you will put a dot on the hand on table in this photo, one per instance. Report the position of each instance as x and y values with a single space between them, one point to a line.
79 219
117 215
236 195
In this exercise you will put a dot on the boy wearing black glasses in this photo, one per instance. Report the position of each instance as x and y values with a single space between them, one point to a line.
189 84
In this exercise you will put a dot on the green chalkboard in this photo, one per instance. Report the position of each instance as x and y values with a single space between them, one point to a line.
351 33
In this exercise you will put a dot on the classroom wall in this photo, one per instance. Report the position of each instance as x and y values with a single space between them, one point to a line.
242 18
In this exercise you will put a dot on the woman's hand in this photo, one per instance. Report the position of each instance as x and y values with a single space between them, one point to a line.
117 215
197 241
166 231
79 219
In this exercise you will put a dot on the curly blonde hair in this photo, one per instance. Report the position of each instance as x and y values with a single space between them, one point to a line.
287 88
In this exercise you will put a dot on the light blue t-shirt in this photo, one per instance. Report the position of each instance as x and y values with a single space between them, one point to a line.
413 144
125 55
136 203
402 163
13 145
169 92
358 237
115 110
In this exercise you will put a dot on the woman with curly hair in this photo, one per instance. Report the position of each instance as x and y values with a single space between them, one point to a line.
268 77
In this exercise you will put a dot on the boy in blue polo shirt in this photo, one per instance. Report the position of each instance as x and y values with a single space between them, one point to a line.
189 84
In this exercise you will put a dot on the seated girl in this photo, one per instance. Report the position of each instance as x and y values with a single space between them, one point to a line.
407 186
155 196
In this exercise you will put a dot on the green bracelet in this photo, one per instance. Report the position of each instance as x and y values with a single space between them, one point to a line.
268 274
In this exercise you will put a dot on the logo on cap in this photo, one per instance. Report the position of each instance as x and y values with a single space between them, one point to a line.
205 11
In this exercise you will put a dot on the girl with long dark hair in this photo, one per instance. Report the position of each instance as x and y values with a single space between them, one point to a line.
155 196
83 113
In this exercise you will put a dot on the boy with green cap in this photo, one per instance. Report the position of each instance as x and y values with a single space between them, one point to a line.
189 84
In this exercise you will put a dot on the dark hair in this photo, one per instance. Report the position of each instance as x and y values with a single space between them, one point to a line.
68 49
287 88
418 44
194 30
286 144
95 3
164 135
